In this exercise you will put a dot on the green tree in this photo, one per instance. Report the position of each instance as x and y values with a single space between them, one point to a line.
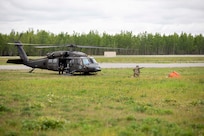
142 43
199 44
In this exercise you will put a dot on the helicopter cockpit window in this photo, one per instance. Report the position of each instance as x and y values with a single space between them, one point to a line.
85 61
92 60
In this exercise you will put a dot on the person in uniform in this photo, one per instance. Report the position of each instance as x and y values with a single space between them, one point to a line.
61 68
136 71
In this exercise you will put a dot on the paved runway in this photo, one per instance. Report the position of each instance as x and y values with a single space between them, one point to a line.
119 65
150 65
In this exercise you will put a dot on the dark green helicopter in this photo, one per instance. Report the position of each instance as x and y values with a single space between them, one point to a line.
69 62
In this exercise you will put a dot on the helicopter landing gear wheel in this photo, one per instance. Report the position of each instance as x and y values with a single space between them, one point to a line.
68 72
86 73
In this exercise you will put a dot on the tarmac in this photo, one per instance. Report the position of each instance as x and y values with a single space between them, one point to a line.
120 65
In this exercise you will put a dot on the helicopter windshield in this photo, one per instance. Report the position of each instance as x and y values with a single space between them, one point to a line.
85 61
92 60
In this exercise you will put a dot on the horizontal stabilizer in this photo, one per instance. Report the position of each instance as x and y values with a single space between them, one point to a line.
15 61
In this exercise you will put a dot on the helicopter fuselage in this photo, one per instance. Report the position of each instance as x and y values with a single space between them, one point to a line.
74 64
69 64
62 61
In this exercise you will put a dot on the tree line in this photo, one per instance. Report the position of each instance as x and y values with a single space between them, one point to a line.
124 43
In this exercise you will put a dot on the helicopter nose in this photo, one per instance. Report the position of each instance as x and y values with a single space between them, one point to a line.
98 69
93 68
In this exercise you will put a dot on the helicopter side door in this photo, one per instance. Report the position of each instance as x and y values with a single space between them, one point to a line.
75 65
53 64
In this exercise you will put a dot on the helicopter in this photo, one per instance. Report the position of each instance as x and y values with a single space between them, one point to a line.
70 62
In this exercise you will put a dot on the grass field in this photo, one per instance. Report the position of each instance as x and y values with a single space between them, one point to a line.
152 59
111 103
136 59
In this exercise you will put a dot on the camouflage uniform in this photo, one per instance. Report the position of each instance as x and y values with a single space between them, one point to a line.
136 71
61 68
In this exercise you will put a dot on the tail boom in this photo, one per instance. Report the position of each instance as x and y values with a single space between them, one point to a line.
21 52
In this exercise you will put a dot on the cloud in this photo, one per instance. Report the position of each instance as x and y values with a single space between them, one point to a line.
161 16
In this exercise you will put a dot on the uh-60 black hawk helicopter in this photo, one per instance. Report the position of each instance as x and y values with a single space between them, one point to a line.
69 62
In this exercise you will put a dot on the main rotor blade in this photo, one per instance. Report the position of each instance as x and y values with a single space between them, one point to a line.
101 47
19 43
98 47
54 46
82 46
51 46
11 43
41 46
75 46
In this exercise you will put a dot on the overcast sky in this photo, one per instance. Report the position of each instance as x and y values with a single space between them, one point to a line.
109 16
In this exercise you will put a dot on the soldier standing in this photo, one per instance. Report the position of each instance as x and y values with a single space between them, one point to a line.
61 68
136 71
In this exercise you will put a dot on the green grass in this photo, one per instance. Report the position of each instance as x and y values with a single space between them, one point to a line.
109 103
151 59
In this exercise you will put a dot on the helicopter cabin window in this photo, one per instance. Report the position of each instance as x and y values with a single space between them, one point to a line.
79 61
76 61
55 60
52 60
49 60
